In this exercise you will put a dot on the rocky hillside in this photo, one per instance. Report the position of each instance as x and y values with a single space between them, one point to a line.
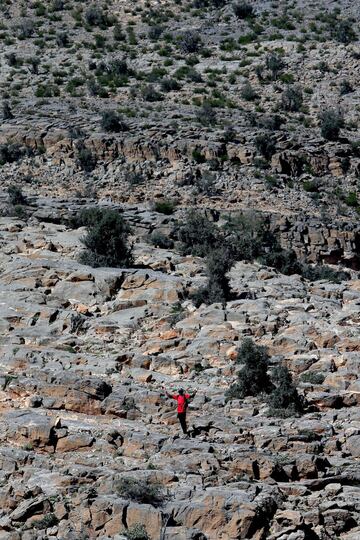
247 112
85 354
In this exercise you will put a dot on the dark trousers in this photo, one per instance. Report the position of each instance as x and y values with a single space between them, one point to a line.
182 420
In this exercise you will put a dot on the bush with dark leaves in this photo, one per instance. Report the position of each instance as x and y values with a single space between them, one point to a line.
292 98
198 235
106 239
206 114
16 196
274 64
217 289
113 122
265 145
284 399
243 10
253 378
140 491
331 121
190 42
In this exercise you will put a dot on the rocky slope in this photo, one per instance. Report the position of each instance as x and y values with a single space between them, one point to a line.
85 354
202 103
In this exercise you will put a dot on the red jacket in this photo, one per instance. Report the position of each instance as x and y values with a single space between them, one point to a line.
181 402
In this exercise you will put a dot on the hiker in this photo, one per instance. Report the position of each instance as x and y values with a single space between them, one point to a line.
182 403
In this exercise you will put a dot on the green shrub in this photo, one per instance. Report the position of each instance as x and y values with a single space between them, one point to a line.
331 121
9 153
46 91
247 92
190 42
198 235
346 87
292 98
62 39
149 93
217 289
351 199
160 240
139 490
95 89
206 114
49 520
265 144
312 377
106 240
166 207
25 29
311 186
343 31
275 65
16 196
206 183
170 85
20 212
118 33
243 10
114 73
57 5
284 399
253 378
137 532
247 236
85 159
95 16
177 314
112 121
198 156
323 272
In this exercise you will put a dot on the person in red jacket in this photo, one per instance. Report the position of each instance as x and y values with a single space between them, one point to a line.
182 403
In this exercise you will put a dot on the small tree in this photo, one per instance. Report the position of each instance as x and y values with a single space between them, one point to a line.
243 10
95 16
206 183
106 240
7 113
331 121
292 98
217 289
284 399
198 235
346 87
265 145
190 42
16 197
206 114
275 65
253 379
343 31
112 121
86 160
247 92
140 490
